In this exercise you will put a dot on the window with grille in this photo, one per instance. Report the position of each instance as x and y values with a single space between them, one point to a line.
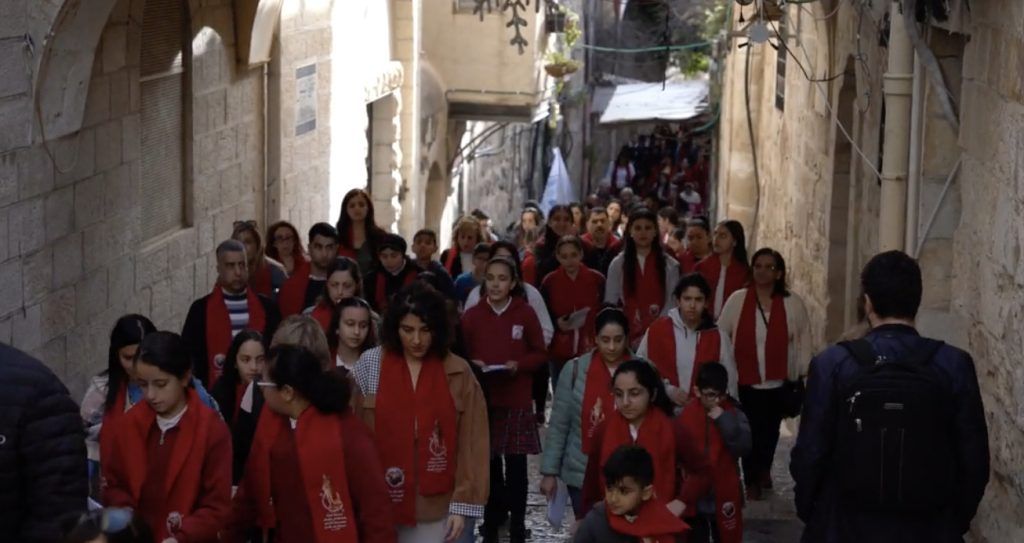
780 69
165 61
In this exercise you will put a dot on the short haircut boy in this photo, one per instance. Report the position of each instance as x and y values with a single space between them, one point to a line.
482 249
629 461
679 234
425 232
325 230
714 376
670 214
892 280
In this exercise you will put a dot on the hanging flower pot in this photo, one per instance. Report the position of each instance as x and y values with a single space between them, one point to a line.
562 68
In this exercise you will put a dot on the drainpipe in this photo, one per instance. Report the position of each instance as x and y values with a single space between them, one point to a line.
898 89
916 152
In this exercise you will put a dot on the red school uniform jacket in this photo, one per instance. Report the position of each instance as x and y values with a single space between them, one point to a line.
293 294
280 483
179 481
564 296
495 339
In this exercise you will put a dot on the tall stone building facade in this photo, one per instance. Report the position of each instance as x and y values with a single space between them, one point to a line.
134 133
814 193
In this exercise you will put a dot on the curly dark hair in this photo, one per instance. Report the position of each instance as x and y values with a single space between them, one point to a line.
426 303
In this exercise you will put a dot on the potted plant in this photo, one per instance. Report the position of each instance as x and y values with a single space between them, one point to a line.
558 65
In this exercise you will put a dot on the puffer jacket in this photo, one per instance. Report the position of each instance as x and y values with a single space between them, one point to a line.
43 473
563 449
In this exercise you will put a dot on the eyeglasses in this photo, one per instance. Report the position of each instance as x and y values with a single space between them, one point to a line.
711 394
110 520
286 237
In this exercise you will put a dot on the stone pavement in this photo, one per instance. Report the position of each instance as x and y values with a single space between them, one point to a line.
772 520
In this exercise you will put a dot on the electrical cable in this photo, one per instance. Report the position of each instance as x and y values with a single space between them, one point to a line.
753 143
782 42
653 49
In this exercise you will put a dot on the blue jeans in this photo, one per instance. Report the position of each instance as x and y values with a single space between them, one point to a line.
468 531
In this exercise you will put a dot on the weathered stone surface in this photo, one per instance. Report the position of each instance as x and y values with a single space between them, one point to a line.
25 331
11 287
67 260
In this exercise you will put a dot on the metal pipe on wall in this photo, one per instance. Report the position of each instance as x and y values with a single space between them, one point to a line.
898 89
916 154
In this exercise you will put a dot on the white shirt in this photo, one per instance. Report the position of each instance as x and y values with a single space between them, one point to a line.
613 286
341 363
796 324
535 300
634 431
499 310
166 423
686 339
720 292
467 262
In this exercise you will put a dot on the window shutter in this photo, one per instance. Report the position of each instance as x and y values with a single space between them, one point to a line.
164 48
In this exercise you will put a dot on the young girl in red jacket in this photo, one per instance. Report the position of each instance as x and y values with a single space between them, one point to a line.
504 339
171 459
314 474
567 291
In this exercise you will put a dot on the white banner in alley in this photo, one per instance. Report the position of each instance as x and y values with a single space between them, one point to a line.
559 189
649 102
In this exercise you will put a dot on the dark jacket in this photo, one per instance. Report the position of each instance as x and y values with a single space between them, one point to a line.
242 424
817 501
443 281
194 332
595 529
43 469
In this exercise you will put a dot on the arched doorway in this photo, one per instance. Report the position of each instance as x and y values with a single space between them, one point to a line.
839 310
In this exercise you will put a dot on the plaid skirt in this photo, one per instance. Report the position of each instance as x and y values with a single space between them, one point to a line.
513 431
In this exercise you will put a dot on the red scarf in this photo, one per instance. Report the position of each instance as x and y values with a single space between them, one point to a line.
381 291
415 432
529 268
293 293
185 471
218 329
322 313
776 345
451 258
654 523
111 416
661 349
598 400
655 435
321 453
611 244
724 470
737 275
643 302
260 280
566 295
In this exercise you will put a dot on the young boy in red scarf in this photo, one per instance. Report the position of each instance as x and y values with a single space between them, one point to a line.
711 418
630 512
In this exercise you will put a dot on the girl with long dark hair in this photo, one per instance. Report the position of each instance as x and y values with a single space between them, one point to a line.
313 474
770 334
357 230
640 279
583 399
352 331
560 223
239 399
681 342
727 269
643 416
435 456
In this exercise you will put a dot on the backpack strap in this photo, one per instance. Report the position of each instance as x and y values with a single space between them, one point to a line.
861 350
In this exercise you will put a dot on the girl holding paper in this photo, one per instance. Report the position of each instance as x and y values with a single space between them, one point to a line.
572 293
504 339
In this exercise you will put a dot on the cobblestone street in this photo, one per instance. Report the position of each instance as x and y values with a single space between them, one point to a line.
772 520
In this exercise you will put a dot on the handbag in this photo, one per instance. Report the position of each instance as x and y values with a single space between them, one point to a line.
793 398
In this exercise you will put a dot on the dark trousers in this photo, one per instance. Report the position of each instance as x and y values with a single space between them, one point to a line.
764 409
540 389
508 494
703 529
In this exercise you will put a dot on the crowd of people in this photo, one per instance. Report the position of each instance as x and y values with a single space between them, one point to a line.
344 386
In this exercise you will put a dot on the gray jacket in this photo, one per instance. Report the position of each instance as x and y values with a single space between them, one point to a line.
563 446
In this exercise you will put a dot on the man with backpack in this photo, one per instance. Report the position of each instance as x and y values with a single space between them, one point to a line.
893 444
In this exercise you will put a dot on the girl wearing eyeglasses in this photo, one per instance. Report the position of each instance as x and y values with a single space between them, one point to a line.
171 455
313 474
768 327
429 419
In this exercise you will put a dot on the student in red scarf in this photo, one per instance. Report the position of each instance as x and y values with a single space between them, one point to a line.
503 338
726 270
458 257
558 226
285 246
698 244
583 399
214 319
266 275
570 289
427 412
343 281
769 330
712 418
394 270
239 400
301 291
352 331
686 339
314 474
357 229
642 417
631 511
171 459
640 279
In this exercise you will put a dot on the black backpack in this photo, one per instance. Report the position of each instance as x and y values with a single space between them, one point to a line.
894 448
